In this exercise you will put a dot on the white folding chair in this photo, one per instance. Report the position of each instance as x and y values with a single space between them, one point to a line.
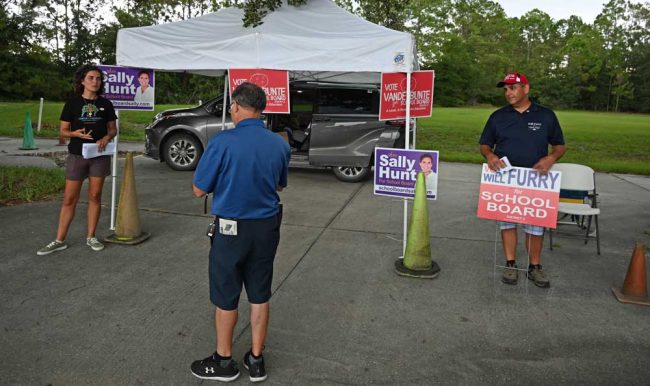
579 178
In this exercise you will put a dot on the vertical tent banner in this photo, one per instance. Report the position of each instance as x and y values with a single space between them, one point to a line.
275 84
396 89
127 88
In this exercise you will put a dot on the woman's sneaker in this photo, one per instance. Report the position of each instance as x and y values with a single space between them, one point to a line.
224 370
94 244
54 246
255 367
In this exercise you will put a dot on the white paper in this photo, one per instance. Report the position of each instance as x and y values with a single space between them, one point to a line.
507 167
89 150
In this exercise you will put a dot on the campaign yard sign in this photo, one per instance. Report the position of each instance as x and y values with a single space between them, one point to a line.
275 84
520 195
396 171
129 88
392 104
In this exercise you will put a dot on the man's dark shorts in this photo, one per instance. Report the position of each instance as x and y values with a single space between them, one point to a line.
243 259
78 168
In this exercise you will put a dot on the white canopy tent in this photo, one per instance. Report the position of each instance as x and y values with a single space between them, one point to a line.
317 36
315 41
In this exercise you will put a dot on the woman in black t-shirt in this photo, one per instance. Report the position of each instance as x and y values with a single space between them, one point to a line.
86 118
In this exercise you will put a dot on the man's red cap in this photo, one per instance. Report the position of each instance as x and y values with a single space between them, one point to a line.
513 78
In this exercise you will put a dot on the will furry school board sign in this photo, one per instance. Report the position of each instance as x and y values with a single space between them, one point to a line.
122 85
275 84
520 195
396 171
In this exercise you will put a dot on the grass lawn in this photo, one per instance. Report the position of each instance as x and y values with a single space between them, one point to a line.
608 142
12 119
25 184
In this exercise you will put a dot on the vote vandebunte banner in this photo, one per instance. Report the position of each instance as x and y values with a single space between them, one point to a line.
275 84
392 104
520 195
124 87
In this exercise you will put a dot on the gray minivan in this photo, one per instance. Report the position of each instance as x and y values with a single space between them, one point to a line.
331 125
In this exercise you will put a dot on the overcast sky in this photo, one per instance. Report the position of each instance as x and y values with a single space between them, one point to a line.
587 10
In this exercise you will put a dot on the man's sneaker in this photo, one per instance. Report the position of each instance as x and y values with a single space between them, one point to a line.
224 370
536 274
510 274
255 367
94 244
52 247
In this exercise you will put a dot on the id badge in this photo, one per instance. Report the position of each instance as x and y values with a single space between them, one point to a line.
227 227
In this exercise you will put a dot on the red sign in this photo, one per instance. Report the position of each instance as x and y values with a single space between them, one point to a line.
275 84
392 104
520 195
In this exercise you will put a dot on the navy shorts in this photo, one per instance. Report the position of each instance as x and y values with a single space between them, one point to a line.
79 168
243 259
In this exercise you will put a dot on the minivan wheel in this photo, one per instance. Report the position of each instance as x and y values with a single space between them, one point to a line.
351 173
182 152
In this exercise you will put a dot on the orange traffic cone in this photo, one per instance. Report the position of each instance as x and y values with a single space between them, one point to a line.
635 286
127 229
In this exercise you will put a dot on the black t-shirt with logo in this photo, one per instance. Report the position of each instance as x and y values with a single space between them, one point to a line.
89 114
522 137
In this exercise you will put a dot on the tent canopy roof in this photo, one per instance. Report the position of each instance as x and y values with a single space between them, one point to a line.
318 37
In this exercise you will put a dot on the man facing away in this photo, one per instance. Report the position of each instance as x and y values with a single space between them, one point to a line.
243 168
522 131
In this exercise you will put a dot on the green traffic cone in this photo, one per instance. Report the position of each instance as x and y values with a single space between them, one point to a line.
28 134
417 258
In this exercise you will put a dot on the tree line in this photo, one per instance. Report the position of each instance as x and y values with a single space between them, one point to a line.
471 44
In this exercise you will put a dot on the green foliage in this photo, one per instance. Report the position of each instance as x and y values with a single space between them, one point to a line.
470 44
255 10
26 184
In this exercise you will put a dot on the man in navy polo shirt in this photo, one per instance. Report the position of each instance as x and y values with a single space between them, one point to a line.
522 131
243 168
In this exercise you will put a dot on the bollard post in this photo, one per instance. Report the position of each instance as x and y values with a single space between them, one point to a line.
40 116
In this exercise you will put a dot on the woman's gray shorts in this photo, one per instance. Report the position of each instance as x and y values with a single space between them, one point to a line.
78 168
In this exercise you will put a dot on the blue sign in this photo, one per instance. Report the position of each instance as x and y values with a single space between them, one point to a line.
129 88
396 171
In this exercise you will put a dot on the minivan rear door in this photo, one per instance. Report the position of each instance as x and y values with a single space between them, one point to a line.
345 126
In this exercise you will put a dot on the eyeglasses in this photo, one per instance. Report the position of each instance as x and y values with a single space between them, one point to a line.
230 106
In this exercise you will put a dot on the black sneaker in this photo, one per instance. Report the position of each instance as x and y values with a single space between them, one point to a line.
255 367
224 370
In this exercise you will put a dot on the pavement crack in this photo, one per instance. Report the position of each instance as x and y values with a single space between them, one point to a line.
76 288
